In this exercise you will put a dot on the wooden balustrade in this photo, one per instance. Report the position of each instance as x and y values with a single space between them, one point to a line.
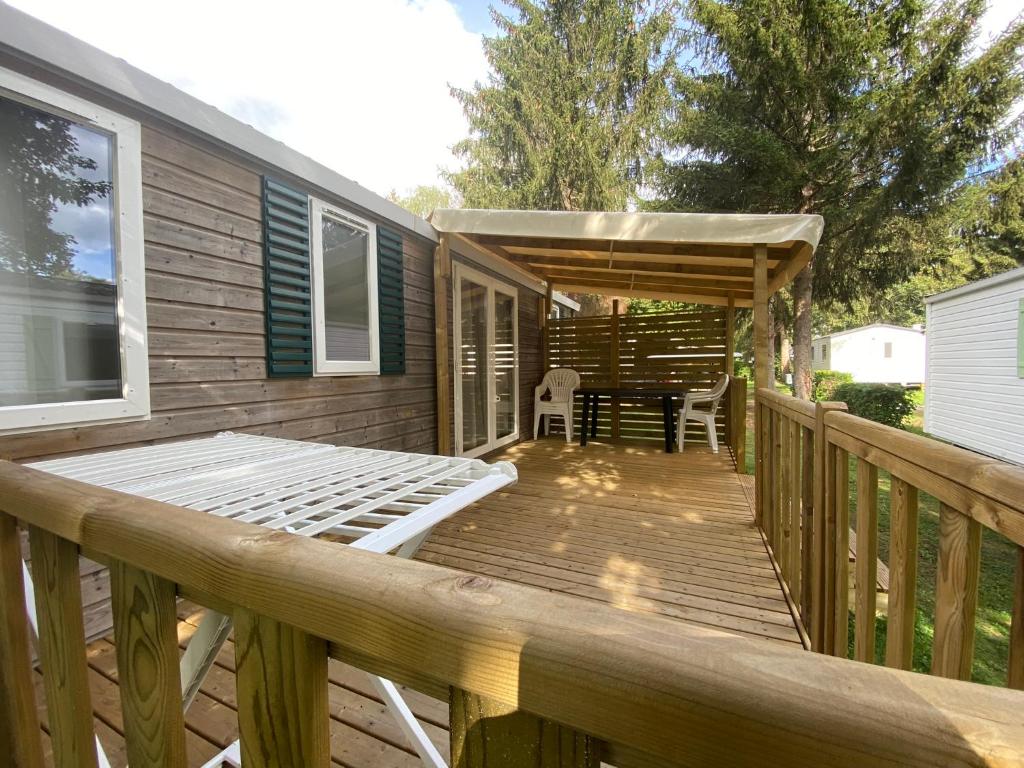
532 677
803 452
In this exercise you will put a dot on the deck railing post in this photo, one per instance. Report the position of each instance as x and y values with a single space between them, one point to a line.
20 737
485 732
283 712
145 637
822 562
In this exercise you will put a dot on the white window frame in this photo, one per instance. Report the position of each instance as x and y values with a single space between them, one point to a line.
493 285
322 366
130 279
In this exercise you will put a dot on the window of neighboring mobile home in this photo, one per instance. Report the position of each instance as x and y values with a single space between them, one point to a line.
72 286
344 257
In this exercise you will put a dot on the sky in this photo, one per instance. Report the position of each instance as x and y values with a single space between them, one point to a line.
362 86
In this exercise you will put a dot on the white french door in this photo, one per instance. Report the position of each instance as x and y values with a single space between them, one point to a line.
486 339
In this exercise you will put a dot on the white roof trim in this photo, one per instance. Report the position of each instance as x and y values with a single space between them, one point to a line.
702 228
565 301
29 39
476 254
869 327
988 282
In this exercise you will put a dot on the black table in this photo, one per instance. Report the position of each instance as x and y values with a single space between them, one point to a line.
592 393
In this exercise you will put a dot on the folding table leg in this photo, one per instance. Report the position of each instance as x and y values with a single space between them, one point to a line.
408 723
200 653
408 550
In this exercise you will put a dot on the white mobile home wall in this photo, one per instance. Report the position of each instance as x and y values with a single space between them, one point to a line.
861 352
974 395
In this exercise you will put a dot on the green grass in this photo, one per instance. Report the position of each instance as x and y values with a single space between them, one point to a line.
995 591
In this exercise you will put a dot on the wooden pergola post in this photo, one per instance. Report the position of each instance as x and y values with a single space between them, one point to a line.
442 273
730 336
763 374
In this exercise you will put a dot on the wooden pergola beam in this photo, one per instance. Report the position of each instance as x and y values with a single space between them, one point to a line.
628 277
632 264
648 284
663 295
640 247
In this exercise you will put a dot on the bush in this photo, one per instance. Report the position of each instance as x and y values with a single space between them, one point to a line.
825 383
742 370
888 404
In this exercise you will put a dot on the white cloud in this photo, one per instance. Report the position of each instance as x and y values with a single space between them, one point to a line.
359 86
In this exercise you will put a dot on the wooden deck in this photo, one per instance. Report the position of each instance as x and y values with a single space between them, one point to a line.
626 525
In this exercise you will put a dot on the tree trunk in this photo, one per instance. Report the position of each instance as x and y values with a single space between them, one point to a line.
802 289
771 342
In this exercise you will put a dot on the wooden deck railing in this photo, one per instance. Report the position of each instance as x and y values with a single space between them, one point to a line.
802 483
533 678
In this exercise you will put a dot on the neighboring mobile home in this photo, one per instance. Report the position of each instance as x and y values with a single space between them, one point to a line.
974 395
877 353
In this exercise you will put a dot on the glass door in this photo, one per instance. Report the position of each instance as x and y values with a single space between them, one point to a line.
486 363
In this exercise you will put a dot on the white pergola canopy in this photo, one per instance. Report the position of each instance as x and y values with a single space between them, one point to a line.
700 257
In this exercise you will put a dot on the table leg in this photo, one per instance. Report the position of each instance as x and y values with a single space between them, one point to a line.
666 407
593 417
583 420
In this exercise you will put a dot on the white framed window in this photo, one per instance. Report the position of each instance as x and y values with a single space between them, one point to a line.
345 321
72 271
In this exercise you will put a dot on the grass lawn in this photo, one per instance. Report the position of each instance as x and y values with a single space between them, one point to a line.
995 592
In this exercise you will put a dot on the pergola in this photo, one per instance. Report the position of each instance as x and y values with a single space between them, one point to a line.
733 260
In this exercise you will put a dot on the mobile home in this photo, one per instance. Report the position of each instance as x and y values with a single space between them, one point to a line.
974 396
876 353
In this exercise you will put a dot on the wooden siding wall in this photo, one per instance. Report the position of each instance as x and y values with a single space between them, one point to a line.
204 291
685 349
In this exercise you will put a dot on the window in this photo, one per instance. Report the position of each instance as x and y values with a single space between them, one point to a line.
888 349
344 257
72 290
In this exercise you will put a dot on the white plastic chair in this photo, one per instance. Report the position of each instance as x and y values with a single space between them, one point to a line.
561 383
704 415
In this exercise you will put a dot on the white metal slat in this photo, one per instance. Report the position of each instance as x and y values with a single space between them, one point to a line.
317 489
351 514
269 472
132 459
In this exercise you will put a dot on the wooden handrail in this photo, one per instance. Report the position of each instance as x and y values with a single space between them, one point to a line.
990 490
656 691
973 491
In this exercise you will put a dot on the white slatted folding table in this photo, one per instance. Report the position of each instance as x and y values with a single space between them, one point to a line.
380 501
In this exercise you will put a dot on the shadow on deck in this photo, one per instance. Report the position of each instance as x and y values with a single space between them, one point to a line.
628 525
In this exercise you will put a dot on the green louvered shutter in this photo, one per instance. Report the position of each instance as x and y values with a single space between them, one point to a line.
288 292
390 301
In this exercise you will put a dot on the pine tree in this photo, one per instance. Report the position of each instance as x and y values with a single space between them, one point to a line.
570 112
864 111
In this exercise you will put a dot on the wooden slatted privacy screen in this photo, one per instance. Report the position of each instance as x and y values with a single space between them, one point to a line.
685 349
391 300
805 456
288 290
571 682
